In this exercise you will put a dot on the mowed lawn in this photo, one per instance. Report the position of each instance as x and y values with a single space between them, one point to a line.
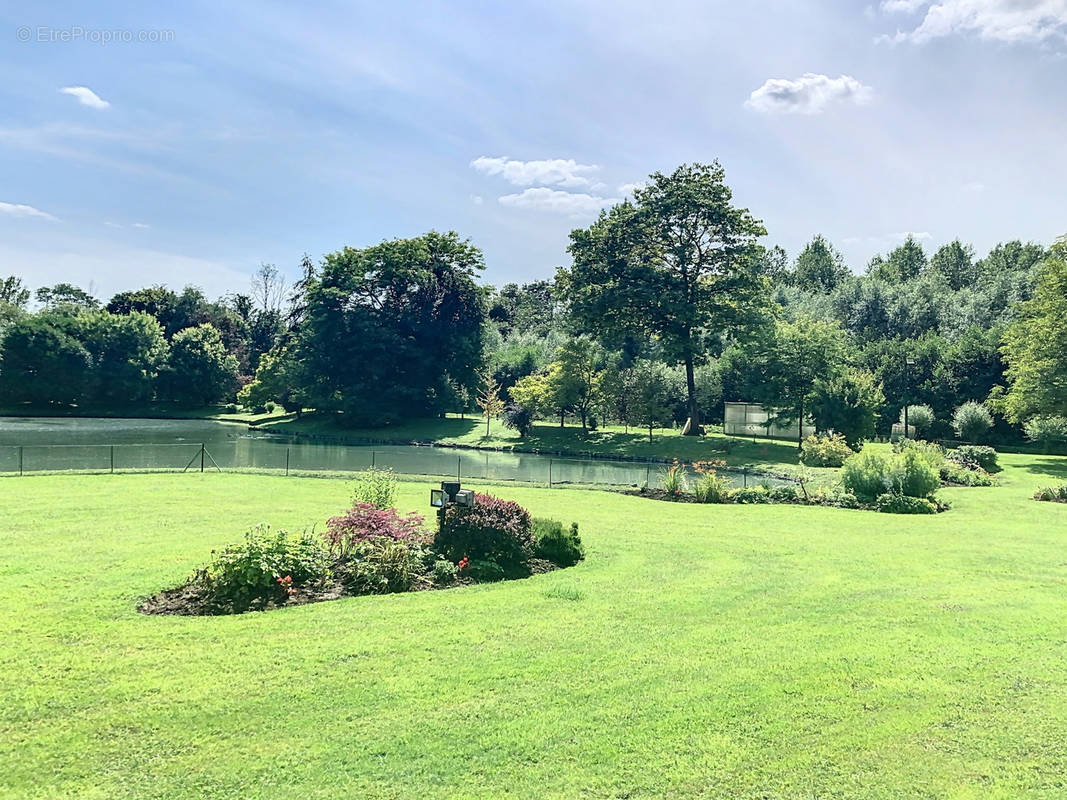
699 651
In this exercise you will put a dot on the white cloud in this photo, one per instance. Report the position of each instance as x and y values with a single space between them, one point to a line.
86 96
140 225
21 211
809 94
627 189
974 186
554 200
996 20
550 172
477 199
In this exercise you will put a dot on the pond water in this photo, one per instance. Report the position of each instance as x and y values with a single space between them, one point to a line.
38 444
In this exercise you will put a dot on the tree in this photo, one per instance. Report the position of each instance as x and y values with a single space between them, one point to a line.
819 267
41 365
680 262
955 263
14 292
532 393
277 380
199 370
649 405
972 421
391 331
268 288
489 400
903 264
127 353
920 417
1046 430
581 372
792 360
518 419
68 295
848 403
1035 346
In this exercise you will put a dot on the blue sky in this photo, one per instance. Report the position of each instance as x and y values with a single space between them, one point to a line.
237 133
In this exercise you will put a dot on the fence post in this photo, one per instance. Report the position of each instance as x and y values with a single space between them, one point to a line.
112 459
459 467
372 459
20 460
550 473
744 472
648 475
287 462
203 447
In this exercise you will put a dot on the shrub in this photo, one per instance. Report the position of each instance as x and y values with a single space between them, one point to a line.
922 418
975 457
382 565
711 487
972 421
674 480
834 497
270 406
256 569
784 494
954 473
930 452
232 408
486 571
491 530
912 475
552 543
1052 494
519 419
892 503
363 522
375 487
864 474
869 475
824 451
443 572
1046 430
750 496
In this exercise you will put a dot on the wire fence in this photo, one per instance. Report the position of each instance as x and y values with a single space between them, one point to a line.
301 459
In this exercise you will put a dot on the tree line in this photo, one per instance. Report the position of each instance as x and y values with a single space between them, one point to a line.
670 305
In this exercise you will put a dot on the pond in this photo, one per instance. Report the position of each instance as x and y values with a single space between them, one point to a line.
47 444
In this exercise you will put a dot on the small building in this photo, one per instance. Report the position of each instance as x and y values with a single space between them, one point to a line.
752 419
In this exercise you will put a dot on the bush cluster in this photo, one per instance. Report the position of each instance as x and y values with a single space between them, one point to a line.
825 451
375 487
492 529
374 550
893 503
1052 494
868 475
975 457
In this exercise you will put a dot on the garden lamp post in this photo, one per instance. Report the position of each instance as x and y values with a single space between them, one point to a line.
908 362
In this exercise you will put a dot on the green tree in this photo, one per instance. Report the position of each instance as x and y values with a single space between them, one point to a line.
277 380
972 421
581 373
66 295
41 364
14 292
955 263
391 331
903 264
489 400
680 262
792 360
648 403
128 352
1035 345
819 267
848 403
199 370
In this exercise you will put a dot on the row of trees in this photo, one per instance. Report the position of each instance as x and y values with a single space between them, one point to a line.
670 304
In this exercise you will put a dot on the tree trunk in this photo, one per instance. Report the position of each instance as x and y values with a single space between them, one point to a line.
486 426
800 426
692 426
584 428
650 434
562 414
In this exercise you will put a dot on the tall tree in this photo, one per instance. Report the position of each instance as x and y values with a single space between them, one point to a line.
199 370
14 292
903 264
391 331
66 295
955 263
581 368
819 267
680 262
797 356
1035 346
848 403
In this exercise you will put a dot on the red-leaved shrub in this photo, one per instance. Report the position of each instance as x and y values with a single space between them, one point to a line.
491 530
364 522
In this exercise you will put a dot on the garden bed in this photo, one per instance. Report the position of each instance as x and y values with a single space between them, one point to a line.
825 499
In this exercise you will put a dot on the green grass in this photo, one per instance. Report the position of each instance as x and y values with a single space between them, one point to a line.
699 651
610 440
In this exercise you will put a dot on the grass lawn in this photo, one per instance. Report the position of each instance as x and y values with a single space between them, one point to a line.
699 651
610 440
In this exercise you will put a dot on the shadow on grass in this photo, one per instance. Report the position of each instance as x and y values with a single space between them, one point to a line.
1047 466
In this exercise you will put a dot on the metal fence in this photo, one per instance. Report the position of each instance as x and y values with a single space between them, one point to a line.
295 458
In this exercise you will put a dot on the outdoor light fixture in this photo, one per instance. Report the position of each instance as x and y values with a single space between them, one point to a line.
450 494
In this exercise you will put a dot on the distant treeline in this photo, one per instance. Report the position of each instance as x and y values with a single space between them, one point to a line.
670 305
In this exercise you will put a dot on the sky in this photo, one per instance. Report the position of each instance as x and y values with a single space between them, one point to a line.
188 144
